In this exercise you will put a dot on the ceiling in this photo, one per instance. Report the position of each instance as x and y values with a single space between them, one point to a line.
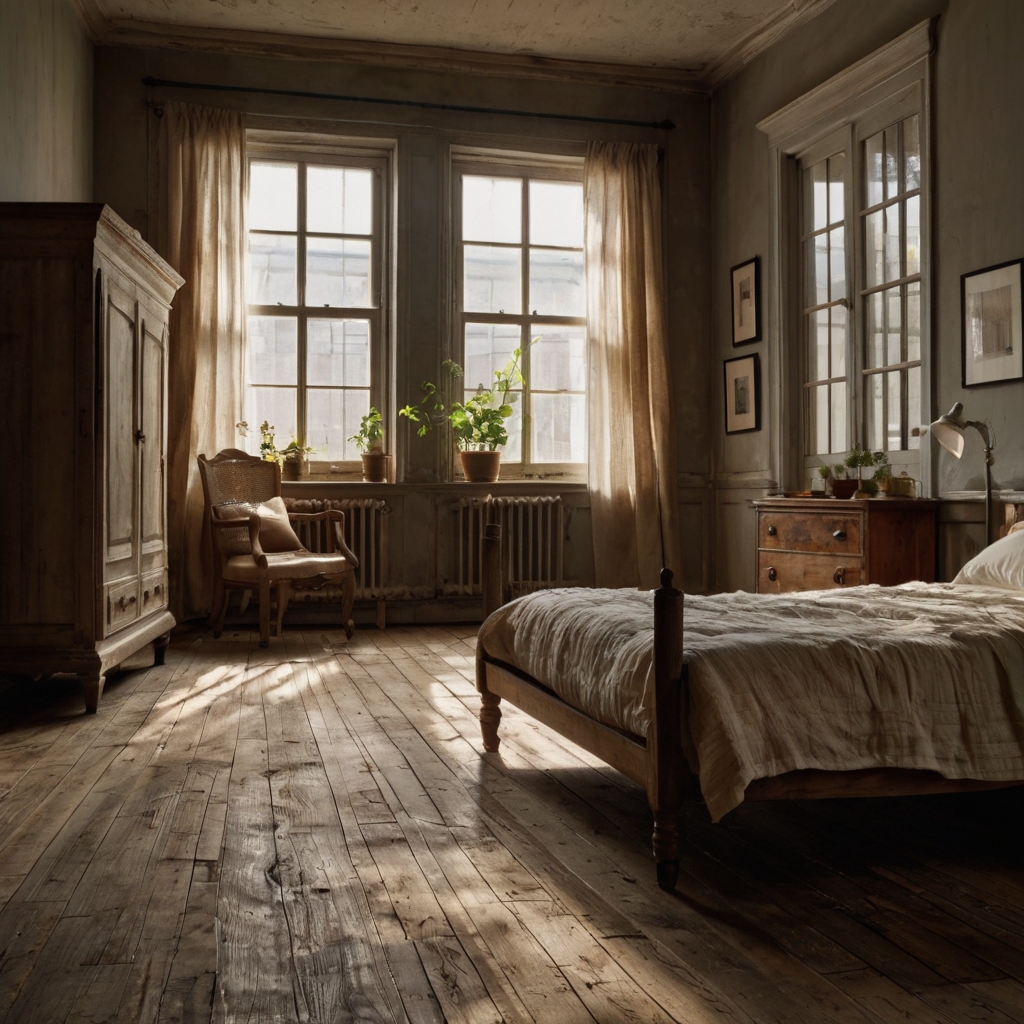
696 39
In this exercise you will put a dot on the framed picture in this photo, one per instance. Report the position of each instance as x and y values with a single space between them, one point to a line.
746 301
742 394
990 305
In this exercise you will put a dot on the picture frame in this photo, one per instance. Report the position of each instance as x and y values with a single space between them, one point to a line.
992 347
742 394
746 301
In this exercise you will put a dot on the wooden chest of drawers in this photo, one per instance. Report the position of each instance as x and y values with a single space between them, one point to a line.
822 543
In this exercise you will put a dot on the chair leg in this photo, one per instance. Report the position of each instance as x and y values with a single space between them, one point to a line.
284 592
348 600
244 601
264 611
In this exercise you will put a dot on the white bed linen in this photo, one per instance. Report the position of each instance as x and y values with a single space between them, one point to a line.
918 676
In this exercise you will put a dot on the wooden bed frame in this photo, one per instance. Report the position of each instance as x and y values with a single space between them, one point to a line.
658 760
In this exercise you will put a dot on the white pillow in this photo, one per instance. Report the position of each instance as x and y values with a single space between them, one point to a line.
1000 565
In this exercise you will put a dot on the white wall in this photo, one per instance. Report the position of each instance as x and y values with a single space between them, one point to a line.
45 103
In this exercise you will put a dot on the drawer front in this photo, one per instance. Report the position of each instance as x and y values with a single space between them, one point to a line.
785 572
810 531
154 591
122 604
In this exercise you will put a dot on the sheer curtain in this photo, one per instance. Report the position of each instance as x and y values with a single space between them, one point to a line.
632 463
202 235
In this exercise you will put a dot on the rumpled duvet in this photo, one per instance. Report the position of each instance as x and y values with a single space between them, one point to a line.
917 676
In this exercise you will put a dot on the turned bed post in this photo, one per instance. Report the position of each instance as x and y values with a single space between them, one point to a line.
665 759
490 571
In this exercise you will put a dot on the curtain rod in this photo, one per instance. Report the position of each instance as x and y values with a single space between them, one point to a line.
167 83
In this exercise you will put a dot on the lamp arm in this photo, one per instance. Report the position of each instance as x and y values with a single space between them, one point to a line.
986 437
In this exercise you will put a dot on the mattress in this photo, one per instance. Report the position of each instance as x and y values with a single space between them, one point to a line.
926 676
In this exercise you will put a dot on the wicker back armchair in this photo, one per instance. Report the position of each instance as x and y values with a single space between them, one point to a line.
255 548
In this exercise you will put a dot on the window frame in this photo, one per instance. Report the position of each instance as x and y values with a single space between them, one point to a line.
875 88
523 166
305 151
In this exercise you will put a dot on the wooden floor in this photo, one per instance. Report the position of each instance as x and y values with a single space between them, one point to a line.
310 833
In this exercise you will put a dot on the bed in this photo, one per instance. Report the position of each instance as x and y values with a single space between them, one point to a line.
866 691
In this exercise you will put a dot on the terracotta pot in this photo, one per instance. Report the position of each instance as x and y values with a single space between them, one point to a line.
480 467
293 469
844 488
375 467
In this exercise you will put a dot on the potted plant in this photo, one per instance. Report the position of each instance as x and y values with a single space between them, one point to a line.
842 486
478 423
369 439
861 459
292 458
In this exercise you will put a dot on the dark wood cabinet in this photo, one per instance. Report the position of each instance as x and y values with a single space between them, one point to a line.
823 543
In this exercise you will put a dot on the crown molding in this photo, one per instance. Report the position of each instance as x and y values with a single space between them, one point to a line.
394 55
854 82
759 39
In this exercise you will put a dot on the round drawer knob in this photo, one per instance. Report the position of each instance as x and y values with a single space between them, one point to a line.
772 531
772 574
839 534
839 576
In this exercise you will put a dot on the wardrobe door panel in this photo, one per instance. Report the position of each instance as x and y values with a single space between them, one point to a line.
120 556
152 444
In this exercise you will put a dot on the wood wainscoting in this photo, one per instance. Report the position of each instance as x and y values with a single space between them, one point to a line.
311 832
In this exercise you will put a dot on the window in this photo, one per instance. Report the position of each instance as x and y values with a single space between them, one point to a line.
316 315
520 284
887 249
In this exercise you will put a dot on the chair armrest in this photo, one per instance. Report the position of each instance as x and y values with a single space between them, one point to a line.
336 517
252 524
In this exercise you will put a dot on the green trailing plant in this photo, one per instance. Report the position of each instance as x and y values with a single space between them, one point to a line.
478 423
370 435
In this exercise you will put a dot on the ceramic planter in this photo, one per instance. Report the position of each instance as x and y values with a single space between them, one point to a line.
375 467
480 467
293 468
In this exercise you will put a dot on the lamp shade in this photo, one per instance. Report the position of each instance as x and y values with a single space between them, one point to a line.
948 430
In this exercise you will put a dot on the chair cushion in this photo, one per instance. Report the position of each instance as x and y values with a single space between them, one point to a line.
286 565
276 533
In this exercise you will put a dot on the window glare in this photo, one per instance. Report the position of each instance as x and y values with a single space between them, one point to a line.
273 196
491 209
556 213
339 200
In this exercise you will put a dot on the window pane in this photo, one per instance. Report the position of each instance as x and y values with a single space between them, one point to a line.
332 417
914 325
488 348
911 153
337 272
875 355
816 196
838 316
272 348
817 420
913 406
556 282
913 207
272 269
492 279
873 170
558 358
276 406
892 242
816 259
817 337
837 263
559 428
556 213
836 172
894 411
893 327
273 196
339 200
892 157
338 352
875 409
874 248
839 412
491 209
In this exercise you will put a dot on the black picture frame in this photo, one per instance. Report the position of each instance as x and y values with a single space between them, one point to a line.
992 333
742 380
745 287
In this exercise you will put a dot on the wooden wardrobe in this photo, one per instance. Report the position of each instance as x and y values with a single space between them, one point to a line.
84 307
